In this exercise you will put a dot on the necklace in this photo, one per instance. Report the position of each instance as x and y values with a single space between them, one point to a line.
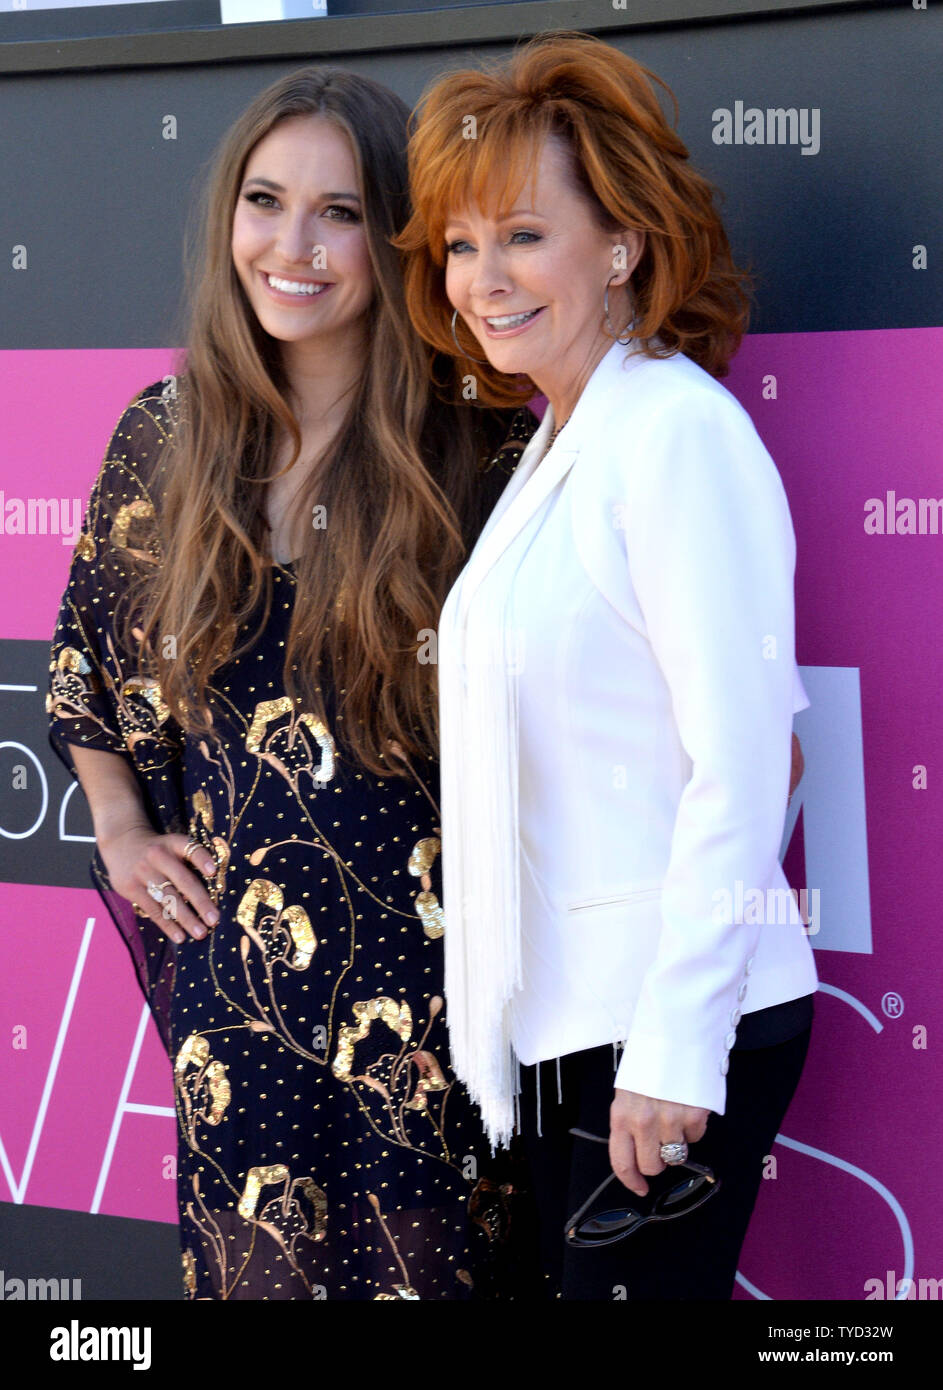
549 444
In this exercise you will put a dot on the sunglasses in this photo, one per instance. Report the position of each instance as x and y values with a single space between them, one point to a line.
684 1187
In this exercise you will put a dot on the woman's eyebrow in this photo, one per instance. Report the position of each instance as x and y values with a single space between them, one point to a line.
279 188
505 216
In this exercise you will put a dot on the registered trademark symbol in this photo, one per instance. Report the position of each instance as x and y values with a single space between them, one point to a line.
892 1004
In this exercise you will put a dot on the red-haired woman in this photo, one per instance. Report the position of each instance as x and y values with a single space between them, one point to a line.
617 677
243 681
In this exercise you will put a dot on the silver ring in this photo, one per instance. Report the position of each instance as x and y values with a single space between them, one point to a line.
673 1153
156 890
192 847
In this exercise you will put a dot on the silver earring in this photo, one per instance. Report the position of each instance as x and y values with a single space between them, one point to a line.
609 329
461 350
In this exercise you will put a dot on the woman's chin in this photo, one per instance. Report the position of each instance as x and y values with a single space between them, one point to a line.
508 358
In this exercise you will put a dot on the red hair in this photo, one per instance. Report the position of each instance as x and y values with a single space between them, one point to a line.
474 135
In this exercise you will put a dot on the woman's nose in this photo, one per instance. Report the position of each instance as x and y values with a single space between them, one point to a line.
489 273
295 241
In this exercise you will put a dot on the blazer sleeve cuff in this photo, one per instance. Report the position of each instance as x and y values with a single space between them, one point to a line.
685 1072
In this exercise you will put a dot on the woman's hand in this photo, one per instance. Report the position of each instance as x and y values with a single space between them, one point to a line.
638 1126
138 855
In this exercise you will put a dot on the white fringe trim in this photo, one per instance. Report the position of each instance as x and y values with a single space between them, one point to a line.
480 852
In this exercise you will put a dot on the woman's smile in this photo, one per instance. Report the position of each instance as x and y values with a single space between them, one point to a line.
509 325
289 290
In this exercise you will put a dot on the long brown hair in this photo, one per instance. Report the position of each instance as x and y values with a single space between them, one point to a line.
476 134
398 484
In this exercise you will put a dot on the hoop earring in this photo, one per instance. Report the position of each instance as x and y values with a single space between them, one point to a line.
461 351
609 329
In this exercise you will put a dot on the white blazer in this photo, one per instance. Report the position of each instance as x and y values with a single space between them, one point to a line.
650 561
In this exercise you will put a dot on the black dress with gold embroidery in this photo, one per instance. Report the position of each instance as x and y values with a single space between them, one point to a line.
325 1148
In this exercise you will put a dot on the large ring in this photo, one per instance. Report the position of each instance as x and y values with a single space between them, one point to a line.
156 890
191 846
673 1153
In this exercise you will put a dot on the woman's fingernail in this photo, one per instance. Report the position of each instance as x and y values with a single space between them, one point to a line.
199 931
212 917
209 867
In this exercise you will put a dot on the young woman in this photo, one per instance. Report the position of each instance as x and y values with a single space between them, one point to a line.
617 676
243 680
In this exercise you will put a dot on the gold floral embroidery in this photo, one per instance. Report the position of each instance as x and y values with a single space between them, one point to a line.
404 1080
69 663
230 1238
85 548
138 510
290 926
300 1209
140 712
295 754
189 1273
148 690
397 1016
426 903
430 1079
201 830
202 1084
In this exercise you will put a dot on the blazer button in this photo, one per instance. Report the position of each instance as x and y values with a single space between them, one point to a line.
735 1017
749 966
725 1066
742 992
730 1039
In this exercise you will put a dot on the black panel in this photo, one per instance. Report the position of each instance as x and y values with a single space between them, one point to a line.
39 799
98 196
112 1256
89 21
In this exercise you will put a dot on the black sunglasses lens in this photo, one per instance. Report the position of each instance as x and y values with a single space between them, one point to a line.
602 1225
683 1195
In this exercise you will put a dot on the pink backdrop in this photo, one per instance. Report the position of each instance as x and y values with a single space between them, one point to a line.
87 1121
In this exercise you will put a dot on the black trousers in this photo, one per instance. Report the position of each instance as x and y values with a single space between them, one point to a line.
690 1258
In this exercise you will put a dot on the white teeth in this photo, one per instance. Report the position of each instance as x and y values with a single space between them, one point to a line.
294 286
512 320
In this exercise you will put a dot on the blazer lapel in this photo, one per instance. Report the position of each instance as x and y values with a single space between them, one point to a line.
532 481
534 478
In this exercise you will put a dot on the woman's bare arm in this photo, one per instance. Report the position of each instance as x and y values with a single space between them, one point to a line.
112 792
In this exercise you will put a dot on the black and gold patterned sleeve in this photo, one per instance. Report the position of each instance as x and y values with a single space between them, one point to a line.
95 695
